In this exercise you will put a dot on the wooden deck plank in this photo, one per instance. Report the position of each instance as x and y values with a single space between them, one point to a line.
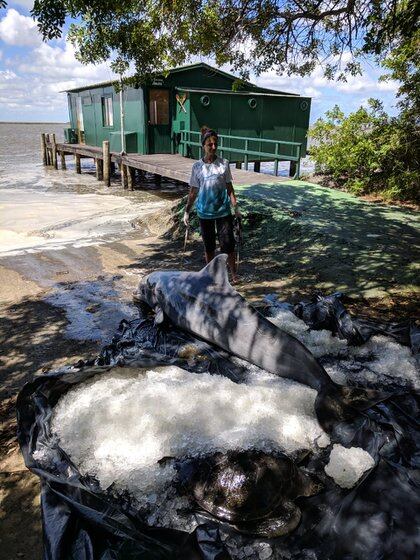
171 166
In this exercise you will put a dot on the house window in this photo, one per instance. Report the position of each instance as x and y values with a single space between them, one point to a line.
159 106
107 114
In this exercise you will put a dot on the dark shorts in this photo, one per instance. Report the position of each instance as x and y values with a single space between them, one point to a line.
224 227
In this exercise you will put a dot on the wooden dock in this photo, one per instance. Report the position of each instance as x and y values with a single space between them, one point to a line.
170 166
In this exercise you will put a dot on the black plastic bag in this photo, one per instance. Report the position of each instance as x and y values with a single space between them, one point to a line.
377 519
328 312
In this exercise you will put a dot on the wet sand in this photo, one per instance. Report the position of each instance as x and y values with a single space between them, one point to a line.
56 307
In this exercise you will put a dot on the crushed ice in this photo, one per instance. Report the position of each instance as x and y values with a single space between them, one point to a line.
117 426
380 361
347 465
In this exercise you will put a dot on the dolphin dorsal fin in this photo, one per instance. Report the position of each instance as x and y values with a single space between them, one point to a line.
217 269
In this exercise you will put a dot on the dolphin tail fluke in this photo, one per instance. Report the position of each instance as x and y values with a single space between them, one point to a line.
343 403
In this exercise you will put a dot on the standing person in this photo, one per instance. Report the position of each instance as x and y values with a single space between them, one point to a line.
211 184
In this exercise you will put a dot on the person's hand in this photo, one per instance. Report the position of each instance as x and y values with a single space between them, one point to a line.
186 219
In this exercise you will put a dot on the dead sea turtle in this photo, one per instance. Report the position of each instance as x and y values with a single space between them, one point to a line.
251 490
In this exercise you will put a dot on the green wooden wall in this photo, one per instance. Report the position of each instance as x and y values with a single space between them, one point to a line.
274 117
95 131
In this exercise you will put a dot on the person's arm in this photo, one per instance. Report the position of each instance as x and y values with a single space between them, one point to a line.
233 199
230 191
192 195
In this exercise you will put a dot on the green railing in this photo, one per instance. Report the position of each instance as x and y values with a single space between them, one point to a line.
190 138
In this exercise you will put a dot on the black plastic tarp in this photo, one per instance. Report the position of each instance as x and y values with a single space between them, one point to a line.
378 519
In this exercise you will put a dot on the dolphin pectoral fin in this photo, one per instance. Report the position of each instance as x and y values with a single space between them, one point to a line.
159 316
217 269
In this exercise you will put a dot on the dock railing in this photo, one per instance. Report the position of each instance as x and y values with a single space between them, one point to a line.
292 152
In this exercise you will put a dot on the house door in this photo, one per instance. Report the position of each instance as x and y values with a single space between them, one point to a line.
159 125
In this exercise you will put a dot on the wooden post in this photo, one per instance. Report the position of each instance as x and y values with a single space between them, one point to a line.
43 149
47 143
292 170
130 178
99 169
78 166
238 165
63 160
123 169
106 163
54 151
257 166
246 155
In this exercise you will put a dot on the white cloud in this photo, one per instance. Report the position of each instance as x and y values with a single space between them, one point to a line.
367 83
19 30
32 85
59 63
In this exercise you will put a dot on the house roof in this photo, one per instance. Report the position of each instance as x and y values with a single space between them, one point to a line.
184 69
267 93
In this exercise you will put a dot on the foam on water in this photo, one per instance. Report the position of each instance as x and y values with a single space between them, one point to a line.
347 465
117 426
34 220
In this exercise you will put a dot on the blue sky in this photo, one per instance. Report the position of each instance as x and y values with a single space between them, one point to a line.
33 73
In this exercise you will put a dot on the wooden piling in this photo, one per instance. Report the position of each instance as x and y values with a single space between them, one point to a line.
54 151
123 169
141 175
63 160
77 161
238 165
47 144
43 149
257 166
130 178
99 169
106 163
292 169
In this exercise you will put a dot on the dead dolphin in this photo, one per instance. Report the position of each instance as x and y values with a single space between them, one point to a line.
251 490
205 304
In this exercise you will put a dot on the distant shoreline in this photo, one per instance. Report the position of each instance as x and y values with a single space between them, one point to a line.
32 122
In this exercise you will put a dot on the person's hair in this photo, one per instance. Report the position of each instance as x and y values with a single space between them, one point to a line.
207 132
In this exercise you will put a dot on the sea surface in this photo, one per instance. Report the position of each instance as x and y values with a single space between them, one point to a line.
43 208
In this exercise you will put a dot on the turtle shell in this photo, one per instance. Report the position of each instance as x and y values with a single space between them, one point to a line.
245 485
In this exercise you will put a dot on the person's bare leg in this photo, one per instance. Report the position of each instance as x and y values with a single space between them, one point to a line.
209 256
232 265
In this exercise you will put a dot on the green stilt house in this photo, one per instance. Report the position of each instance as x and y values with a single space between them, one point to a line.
166 115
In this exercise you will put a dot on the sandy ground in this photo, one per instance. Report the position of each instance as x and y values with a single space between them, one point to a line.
61 306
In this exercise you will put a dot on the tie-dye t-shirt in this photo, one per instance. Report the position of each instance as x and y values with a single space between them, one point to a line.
211 178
